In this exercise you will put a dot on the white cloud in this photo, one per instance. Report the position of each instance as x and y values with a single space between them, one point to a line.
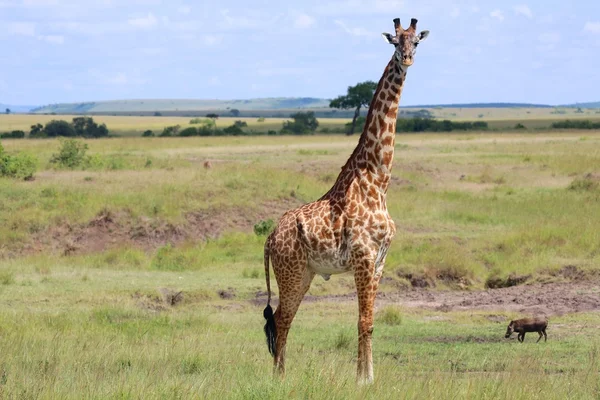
184 9
54 39
21 28
355 31
146 22
497 14
455 13
523 9
358 7
592 27
303 21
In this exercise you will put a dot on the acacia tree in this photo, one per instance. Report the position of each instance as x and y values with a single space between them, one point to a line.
358 96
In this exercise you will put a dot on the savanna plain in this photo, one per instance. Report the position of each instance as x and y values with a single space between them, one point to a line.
491 227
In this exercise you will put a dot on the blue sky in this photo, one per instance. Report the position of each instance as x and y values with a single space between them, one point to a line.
539 51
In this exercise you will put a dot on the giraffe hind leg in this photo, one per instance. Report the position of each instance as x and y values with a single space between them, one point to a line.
291 292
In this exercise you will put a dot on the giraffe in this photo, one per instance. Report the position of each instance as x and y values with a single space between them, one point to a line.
349 228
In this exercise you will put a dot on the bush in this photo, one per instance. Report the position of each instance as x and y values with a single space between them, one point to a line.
303 123
18 166
241 124
191 131
57 128
264 227
419 124
37 130
13 135
234 130
170 131
86 127
520 126
148 133
71 154
576 124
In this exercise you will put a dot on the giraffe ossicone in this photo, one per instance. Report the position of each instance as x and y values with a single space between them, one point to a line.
349 228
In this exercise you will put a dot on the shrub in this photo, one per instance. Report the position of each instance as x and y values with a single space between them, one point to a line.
57 128
37 130
18 166
205 131
261 119
520 126
13 135
303 123
86 127
148 133
419 124
71 154
587 183
191 131
234 130
264 227
576 124
170 131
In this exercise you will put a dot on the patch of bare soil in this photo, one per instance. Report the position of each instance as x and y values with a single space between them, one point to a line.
535 299
120 229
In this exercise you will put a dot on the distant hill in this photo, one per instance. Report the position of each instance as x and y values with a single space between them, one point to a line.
593 104
482 105
150 105
15 109
191 106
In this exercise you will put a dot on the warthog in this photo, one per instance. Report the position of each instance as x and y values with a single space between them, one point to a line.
521 326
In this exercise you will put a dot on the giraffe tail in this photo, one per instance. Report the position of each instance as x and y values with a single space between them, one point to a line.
270 328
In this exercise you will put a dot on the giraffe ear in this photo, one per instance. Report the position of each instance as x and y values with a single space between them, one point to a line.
423 35
389 38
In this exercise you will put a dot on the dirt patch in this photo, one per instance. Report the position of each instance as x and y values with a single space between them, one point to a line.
536 299
116 229
512 280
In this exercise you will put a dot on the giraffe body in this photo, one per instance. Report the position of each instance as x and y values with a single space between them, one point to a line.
348 229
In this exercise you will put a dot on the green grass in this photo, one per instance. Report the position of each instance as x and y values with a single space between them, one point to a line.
95 333
467 207
493 205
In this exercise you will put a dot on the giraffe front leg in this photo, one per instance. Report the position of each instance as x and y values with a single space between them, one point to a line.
366 289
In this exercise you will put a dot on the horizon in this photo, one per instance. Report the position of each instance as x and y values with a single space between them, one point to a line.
477 52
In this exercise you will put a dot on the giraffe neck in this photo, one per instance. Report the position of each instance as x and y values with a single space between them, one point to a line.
372 158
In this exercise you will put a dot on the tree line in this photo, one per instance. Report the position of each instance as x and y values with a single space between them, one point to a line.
78 127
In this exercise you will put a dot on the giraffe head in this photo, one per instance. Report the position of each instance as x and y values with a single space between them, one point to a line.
405 41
